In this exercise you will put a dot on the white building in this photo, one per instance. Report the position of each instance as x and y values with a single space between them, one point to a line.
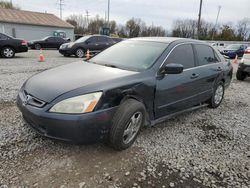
33 25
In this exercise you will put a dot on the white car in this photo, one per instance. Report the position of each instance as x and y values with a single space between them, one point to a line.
219 46
244 66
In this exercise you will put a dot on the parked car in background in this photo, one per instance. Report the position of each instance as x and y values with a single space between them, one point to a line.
244 66
137 82
47 42
116 39
9 46
93 43
219 46
234 49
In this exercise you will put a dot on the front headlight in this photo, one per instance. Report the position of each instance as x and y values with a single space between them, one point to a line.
77 105
70 45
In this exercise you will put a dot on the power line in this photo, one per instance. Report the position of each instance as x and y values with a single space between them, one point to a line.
199 20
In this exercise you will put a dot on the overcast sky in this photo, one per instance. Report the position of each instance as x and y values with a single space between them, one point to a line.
158 12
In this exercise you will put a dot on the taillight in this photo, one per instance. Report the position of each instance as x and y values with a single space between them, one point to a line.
24 43
247 51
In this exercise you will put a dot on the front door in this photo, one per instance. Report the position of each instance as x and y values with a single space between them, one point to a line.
176 92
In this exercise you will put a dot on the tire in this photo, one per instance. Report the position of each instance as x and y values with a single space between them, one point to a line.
38 46
8 52
123 131
218 95
80 53
241 75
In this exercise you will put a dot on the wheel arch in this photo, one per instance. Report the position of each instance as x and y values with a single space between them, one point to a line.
139 99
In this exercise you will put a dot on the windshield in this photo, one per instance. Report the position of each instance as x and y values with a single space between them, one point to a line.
233 47
131 55
82 39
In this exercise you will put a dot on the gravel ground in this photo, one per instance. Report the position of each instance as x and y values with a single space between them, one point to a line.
204 148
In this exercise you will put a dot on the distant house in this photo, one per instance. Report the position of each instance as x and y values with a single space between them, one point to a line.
33 25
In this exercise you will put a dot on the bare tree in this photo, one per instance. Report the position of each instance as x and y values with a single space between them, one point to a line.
8 5
243 29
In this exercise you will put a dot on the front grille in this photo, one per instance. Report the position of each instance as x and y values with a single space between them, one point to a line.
33 101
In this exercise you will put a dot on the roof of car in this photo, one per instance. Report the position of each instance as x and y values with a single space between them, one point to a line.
165 39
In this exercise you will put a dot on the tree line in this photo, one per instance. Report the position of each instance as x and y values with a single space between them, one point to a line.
136 27
186 28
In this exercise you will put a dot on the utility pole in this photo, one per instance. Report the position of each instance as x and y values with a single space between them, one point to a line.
199 20
108 11
87 17
216 22
61 4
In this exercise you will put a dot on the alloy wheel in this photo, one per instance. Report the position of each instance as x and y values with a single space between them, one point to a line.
218 94
80 53
8 52
132 127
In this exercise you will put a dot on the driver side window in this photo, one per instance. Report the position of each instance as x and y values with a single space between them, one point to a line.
183 55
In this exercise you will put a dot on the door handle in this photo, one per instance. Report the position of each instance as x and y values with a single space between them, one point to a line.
194 75
219 69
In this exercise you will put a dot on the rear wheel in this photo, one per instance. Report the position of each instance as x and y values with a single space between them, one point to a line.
80 53
126 124
241 75
218 95
38 46
8 52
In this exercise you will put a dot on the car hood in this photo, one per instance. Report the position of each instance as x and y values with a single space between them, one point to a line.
52 83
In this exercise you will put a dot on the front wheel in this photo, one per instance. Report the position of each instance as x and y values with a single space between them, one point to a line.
38 46
126 124
218 95
241 75
8 52
80 53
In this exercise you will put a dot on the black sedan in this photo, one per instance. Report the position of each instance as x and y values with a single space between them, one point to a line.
137 82
93 43
9 46
47 42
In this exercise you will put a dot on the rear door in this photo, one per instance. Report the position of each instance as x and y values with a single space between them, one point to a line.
103 42
176 92
92 44
209 68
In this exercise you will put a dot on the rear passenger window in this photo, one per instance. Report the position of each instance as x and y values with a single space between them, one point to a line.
102 39
205 54
182 54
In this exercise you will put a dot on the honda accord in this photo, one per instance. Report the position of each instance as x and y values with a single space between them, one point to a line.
137 82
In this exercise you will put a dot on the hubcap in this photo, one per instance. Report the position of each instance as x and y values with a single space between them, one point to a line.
8 52
38 47
132 127
218 94
80 53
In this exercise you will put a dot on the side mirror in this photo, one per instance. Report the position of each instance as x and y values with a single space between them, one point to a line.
173 68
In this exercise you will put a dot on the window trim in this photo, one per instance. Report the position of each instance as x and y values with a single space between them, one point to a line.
177 45
214 52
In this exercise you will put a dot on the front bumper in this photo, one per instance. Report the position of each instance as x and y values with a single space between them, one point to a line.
23 48
65 51
244 68
85 128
